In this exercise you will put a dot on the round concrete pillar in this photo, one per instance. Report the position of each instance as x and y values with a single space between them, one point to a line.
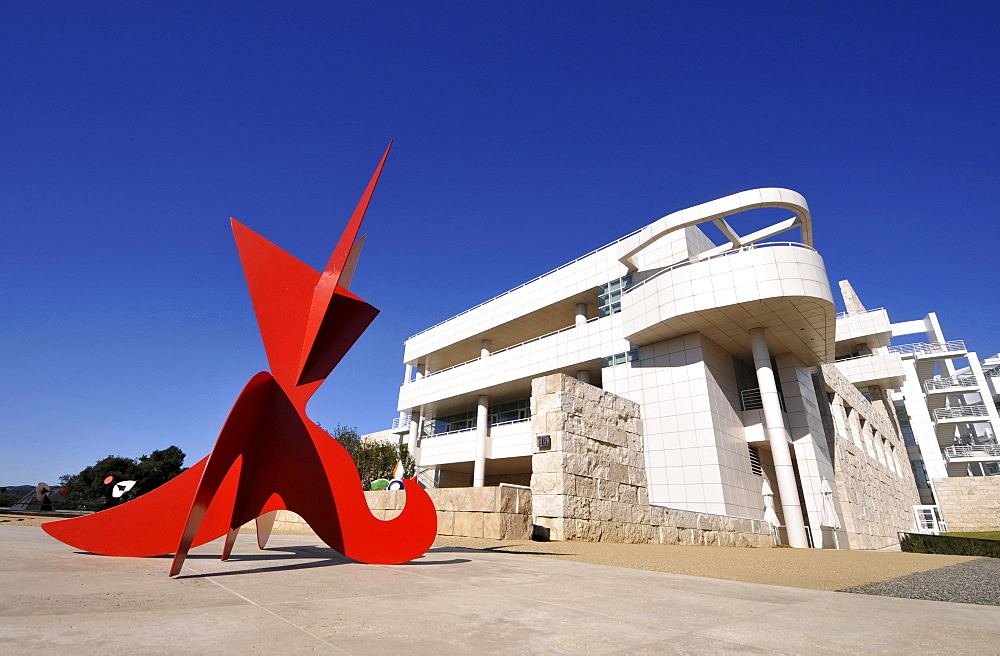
777 436
482 417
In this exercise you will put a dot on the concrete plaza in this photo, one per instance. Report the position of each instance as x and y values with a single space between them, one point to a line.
300 596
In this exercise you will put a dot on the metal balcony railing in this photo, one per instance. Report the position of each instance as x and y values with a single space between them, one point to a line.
750 399
845 314
961 412
928 349
981 451
401 422
509 291
428 374
945 382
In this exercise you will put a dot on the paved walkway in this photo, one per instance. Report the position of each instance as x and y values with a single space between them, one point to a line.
299 596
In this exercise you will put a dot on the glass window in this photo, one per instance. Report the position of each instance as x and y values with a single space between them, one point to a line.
619 358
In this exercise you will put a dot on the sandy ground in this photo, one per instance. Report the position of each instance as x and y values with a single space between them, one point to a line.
18 519
815 569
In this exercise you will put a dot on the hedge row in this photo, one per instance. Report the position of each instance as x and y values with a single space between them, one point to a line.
949 544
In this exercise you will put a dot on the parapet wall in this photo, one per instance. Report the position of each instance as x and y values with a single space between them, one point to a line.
969 503
591 484
500 513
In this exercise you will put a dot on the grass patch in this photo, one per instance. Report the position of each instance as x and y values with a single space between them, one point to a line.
982 535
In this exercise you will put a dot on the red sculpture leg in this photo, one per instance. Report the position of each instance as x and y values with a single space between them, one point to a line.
269 456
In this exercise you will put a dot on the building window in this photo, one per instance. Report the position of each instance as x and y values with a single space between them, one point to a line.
755 466
904 424
620 358
920 473
500 413
503 413
609 299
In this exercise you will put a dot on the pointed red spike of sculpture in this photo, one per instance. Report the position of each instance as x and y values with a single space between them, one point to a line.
269 455
330 280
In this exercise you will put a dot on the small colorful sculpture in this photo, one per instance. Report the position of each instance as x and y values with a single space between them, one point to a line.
269 455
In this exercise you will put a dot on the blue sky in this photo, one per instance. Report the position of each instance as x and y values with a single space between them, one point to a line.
526 134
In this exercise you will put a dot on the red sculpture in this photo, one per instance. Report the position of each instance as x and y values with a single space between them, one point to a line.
269 456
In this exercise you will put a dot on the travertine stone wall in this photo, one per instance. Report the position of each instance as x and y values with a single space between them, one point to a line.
501 513
591 485
875 484
969 503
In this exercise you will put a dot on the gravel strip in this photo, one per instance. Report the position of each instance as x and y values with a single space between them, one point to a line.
974 582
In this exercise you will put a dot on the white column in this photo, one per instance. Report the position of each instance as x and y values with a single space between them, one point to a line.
777 436
408 376
583 376
482 415
484 349
411 439
581 313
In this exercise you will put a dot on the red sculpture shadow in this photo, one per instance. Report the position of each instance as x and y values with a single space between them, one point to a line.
269 456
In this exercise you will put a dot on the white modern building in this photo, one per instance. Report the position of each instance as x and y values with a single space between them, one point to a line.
943 399
726 349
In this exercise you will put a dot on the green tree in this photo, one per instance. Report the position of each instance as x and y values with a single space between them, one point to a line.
86 488
159 467
374 460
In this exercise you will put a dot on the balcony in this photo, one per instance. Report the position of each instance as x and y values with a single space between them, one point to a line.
401 425
883 369
560 350
934 351
781 287
509 439
972 453
872 327
951 385
962 414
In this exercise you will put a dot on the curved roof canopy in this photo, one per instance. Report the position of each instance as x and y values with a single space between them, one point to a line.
716 211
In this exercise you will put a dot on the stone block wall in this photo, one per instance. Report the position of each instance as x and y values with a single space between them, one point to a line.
591 485
500 513
969 503
876 490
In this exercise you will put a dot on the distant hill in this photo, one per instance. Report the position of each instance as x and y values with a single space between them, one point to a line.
17 489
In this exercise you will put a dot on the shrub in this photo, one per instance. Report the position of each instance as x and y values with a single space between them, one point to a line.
949 544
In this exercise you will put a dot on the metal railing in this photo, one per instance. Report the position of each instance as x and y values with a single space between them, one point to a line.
927 349
401 422
473 429
748 247
548 273
510 421
451 432
845 313
750 399
507 348
972 451
949 381
960 412
426 477
857 357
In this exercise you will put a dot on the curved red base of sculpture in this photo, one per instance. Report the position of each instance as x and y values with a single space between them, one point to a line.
269 456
